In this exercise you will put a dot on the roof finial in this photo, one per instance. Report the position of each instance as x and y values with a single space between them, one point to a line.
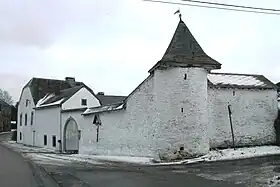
180 15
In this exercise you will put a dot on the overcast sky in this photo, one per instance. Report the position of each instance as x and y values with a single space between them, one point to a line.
111 44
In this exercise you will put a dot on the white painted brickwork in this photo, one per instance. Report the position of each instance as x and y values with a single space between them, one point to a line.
253 115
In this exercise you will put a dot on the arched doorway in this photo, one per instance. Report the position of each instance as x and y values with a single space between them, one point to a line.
71 136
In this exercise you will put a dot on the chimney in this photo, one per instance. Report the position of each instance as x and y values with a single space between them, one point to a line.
100 93
70 80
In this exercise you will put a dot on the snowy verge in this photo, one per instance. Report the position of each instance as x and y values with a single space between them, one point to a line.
23 148
44 155
9 132
214 155
91 159
231 154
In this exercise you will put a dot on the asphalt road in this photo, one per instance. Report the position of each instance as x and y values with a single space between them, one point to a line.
14 170
122 175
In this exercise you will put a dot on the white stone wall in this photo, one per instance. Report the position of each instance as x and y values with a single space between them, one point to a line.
181 110
253 115
75 101
47 123
123 132
25 130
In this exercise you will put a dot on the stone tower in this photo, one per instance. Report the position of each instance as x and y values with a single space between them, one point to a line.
180 90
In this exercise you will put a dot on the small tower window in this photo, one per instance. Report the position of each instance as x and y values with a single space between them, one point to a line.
185 76
182 110
233 93
84 102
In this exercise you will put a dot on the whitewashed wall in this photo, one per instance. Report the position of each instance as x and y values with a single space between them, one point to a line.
153 122
253 115
75 100
181 110
123 132
27 131
47 123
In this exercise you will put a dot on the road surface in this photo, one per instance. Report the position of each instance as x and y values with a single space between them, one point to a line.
125 175
14 170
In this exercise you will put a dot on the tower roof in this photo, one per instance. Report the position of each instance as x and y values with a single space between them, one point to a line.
184 51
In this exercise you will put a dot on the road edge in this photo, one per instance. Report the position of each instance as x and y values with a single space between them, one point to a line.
42 177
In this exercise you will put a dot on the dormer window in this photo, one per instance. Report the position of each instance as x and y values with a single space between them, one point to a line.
84 102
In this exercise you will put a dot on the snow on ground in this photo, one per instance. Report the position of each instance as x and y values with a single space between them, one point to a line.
22 148
274 182
231 154
5 132
214 155
91 159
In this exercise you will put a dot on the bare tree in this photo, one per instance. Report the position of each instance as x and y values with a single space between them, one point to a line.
5 96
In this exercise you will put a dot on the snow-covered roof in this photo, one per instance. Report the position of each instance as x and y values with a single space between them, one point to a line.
52 99
239 81
112 107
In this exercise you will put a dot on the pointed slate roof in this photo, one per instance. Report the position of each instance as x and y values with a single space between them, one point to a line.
184 51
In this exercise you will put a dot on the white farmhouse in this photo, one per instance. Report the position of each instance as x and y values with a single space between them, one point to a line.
180 107
46 108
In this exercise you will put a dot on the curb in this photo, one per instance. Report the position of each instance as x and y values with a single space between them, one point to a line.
43 179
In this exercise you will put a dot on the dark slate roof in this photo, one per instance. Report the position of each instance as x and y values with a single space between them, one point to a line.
278 85
110 99
63 95
3 103
232 80
184 51
39 87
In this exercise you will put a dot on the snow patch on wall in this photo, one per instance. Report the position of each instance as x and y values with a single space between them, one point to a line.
253 115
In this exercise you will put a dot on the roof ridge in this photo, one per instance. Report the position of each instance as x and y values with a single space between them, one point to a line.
236 74
52 79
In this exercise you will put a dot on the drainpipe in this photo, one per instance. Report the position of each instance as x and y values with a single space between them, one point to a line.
60 125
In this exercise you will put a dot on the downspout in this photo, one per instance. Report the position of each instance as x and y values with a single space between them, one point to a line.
60 125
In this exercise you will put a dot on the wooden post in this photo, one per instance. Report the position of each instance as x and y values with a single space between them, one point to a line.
231 127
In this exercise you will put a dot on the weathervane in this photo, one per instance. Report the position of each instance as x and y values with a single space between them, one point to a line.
180 15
